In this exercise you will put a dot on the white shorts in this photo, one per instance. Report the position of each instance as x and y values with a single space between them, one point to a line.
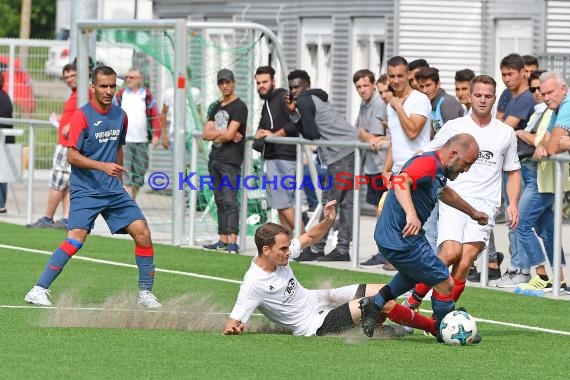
457 226
324 300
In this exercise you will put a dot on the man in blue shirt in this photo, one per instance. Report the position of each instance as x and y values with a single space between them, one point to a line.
96 139
399 234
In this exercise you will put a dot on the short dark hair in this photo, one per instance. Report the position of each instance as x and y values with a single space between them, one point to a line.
265 235
103 70
425 73
417 63
265 70
530 60
299 74
535 75
512 61
484 79
464 75
382 79
69 67
364 73
397 61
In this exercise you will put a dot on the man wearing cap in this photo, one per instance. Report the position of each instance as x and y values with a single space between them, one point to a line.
226 126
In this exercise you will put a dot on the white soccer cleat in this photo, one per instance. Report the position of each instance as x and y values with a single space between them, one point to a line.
148 300
38 296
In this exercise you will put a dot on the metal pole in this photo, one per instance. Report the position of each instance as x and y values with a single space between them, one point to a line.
82 68
298 176
193 194
179 117
243 205
11 81
558 194
484 280
356 210
31 164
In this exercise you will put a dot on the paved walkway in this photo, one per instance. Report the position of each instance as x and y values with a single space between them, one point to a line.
157 209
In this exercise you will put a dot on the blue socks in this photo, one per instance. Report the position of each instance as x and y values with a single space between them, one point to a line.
144 256
399 285
57 261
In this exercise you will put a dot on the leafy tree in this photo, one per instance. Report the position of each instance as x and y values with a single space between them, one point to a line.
42 23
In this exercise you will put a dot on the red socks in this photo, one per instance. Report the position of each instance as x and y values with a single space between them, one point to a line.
407 317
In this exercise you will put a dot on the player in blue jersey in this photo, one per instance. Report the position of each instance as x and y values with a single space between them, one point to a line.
96 139
399 234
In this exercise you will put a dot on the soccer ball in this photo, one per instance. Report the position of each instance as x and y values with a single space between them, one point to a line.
458 328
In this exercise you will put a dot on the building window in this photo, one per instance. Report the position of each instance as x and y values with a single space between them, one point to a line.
316 51
368 52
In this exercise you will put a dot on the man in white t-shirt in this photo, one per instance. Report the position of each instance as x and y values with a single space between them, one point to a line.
271 286
409 121
460 240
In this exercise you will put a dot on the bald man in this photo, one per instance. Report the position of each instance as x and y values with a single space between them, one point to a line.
399 234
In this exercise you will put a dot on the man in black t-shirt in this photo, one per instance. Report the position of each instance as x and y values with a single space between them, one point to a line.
226 126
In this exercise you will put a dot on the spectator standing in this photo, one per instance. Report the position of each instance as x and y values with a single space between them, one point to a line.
279 158
316 118
226 126
6 110
462 88
413 67
61 170
537 200
144 126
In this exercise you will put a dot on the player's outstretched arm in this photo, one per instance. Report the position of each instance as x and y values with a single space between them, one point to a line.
451 198
318 231
233 327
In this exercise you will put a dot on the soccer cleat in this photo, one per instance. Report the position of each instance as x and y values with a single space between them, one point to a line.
38 296
511 279
219 246
233 248
148 300
42 222
369 315
335 255
412 302
375 261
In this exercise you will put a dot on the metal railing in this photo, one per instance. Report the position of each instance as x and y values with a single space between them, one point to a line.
31 157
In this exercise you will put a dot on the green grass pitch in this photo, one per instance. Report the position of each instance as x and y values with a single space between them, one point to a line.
187 342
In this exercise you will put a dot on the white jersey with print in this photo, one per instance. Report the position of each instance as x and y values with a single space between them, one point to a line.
282 299
497 153
402 147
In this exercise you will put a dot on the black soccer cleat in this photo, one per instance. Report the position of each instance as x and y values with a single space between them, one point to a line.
369 315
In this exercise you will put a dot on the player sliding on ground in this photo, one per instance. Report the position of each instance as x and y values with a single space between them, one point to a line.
271 286
399 234
96 140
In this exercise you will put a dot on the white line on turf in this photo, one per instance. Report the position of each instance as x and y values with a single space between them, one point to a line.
111 309
117 264
189 274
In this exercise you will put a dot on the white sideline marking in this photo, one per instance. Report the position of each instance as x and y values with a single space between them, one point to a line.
189 274
117 264
110 309
515 325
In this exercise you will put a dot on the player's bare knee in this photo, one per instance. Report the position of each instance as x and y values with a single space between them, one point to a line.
77 234
388 307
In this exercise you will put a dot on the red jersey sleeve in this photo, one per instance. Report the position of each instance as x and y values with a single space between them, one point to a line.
421 169
78 124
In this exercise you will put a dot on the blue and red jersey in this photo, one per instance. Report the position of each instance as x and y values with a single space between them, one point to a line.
96 134
428 176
